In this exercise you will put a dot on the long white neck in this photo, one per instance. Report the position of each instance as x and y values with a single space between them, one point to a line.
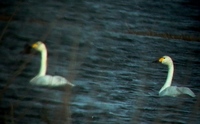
43 65
169 77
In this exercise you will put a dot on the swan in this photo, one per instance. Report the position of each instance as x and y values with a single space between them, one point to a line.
41 78
167 89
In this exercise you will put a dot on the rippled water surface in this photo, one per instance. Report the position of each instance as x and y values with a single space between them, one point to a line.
106 49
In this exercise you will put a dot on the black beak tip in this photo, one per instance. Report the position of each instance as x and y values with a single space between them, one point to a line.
27 49
156 61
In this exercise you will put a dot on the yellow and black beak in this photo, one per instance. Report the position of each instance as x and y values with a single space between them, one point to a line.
34 46
28 48
159 60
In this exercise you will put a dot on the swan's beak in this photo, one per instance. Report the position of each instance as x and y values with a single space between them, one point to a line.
35 45
156 61
159 60
26 50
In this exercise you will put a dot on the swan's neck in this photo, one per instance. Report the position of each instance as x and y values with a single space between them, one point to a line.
43 65
169 77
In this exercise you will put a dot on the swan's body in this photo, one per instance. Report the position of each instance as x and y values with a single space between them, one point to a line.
41 78
167 89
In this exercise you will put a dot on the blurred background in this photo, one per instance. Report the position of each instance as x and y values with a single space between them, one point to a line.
106 49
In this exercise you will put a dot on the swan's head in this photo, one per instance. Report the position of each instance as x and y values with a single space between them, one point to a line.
39 46
166 60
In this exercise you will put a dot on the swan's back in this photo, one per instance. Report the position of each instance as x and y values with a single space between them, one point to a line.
176 91
49 80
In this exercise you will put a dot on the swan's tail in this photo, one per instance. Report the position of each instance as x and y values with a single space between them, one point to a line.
186 90
69 83
58 81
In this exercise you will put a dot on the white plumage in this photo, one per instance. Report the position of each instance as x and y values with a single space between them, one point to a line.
167 89
41 78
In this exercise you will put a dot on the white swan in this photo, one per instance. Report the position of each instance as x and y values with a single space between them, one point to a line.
167 89
41 78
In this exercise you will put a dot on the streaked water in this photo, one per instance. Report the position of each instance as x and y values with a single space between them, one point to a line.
106 49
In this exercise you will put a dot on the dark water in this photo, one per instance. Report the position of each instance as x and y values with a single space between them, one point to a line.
106 49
